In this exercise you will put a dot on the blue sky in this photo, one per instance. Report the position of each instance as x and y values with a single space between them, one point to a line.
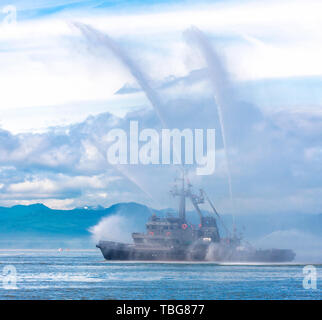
59 98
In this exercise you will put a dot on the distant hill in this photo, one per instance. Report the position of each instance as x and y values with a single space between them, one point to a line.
40 220
39 226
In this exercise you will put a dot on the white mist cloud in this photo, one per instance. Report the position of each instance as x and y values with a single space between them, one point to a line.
308 247
113 228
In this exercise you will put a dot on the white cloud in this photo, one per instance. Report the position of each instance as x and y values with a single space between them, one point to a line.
45 64
60 184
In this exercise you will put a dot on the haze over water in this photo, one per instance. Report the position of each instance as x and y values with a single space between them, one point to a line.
85 275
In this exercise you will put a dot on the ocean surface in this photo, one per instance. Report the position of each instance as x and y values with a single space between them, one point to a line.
85 275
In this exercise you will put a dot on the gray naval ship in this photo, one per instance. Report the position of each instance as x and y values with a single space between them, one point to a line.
173 238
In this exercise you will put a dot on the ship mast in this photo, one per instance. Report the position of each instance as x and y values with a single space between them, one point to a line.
182 194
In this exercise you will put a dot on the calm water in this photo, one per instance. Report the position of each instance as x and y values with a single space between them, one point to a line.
84 275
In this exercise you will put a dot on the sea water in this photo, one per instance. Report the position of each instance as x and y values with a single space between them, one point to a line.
85 275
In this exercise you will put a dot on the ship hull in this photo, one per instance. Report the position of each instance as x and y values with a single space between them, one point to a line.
120 251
